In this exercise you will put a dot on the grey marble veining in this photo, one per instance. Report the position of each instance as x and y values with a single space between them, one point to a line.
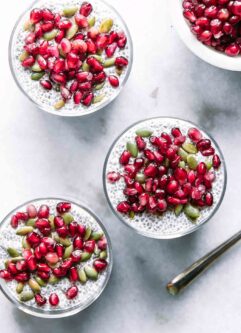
42 154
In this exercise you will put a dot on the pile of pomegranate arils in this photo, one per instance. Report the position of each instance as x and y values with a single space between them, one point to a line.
216 23
167 173
52 247
68 47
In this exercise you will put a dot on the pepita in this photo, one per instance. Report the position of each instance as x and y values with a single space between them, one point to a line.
59 104
183 154
91 272
192 161
99 86
88 232
25 244
85 67
37 76
28 26
69 11
132 148
96 235
132 215
50 35
144 133
189 148
191 212
82 276
85 256
68 218
26 296
109 62
16 259
106 25
72 31
53 279
91 21
65 241
24 55
119 71
68 251
24 231
178 209
33 284
36 67
209 163
19 288
140 178
98 98
13 252
103 254
31 222
40 281
51 221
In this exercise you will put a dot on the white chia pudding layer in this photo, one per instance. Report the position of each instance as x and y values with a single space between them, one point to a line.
47 99
88 292
166 225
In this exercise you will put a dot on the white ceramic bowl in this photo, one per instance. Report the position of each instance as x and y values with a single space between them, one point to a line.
206 53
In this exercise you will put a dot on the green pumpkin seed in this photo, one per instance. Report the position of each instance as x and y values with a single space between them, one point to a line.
19 288
91 272
119 71
26 296
191 212
183 154
53 279
23 56
91 21
85 256
68 251
140 178
69 11
33 284
50 35
36 67
96 235
97 251
132 215
16 259
132 148
72 31
65 241
98 99
88 232
182 164
59 104
25 244
24 231
31 222
28 26
97 57
6 263
106 25
82 276
103 254
178 209
37 76
109 62
68 218
51 221
85 67
209 163
189 148
192 162
13 252
99 86
144 133
40 281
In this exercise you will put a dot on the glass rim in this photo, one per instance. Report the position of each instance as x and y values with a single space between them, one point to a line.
173 235
77 113
75 309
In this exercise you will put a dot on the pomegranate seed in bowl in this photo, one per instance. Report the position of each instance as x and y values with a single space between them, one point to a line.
52 51
172 186
47 272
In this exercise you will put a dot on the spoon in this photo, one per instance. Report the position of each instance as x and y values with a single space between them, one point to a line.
185 278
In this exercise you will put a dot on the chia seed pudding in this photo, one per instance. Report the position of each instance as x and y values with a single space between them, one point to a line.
52 96
173 219
75 289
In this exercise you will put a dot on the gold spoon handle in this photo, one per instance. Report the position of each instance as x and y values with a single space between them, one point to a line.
182 280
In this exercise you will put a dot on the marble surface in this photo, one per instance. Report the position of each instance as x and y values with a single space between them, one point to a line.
42 154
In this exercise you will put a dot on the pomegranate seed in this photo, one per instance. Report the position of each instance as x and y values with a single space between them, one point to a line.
209 199
201 168
121 62
236 8
63 231
60 36
72 292
91 47
73 274
63 207
59 250
78 97
102 244
81 230
43 212
110 50
14 221
223 14
114 81
12 268
78 243
232 50
93 33
81 21
43 275
59 272
31 211
76 256
199 10
42 223
172 187
100 265
180 175
216 161
33 239
162 205
27 253
32 264
54 299
22 216
189 15
4 274
194 134
65 93
102 41
176 132
208 152
36 15
28 62
73 228
113 176
22 277
123 207
122 40
203 144
211 12
40 300
85 9
152 204
125 157
52 258
88 99
64 24
22 265
58 221
151 171
47 26
47 15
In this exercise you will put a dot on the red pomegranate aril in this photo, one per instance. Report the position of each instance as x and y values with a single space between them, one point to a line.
205 36
52 258
194 134
180 175
65 93
99 78
60 35
58 221
91 47
173 201
67 264
72 292
114 81
84 76
88 99
100 265
81 21
151 171
149 155
54 299
162 205
94 64
201 168
172 187
59 250
31 211
73 274
130 191
199 9
203 22
40 300
227 28
78 243
43 212
43 267
4 274
78 97
125 157
179 140
76 256
189 15
122 40
236 8
123 207
175 131
37 253
211 12
33 239
138 163
203 144
73 228
47 14
32 264
22 277
22 216
102 244
223 14
65 45
81 230
208 199
216 161
234 19
64 24
36 15
89 246
47 26
110 50
12 268
14 221
208 152
42 223
86 8
121 62
28 62
62 231
22 264
43 275
59 272
232 50
152 204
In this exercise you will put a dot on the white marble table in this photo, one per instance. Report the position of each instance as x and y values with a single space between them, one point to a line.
42 154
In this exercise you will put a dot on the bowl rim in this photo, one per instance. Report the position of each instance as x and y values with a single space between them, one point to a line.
77 113
204 52
62 313
178 234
